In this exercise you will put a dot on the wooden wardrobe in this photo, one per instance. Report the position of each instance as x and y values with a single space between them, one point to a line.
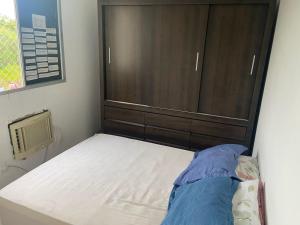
186 73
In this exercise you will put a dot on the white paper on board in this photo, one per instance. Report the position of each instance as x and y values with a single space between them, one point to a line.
52 52
40 40
31 72
42 64
30 61
55 73
52 59
38 21
41 59
51 30
25 35
43 70
43 46
29 78
51 38
31 67
53 67
40 33
50 74
28 53
44 75
27 41
26 30
51 45
41 52
28 47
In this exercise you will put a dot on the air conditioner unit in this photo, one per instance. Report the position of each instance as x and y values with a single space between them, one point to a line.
31 134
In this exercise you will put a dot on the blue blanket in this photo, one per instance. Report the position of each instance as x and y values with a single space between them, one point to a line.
218 161
204 202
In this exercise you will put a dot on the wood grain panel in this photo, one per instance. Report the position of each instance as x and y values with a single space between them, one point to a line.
128 35
113 113
151 76
167 136
165 121
124 129
153 51
177 113
180 33
234 36
218 129
183 2
203 141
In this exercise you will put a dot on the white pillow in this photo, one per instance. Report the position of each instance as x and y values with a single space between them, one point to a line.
247 168
245 206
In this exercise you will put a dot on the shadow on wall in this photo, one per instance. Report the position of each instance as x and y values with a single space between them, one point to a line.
12 169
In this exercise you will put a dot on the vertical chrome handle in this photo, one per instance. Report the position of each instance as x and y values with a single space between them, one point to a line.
109 61
253 63
197 61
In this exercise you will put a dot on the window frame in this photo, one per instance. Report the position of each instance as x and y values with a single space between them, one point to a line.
43 84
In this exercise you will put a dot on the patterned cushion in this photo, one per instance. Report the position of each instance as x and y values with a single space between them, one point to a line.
247 168
245 204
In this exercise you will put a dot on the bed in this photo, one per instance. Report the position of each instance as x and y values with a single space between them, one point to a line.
104 180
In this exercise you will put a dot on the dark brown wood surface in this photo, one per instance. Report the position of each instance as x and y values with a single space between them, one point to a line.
113 113
234 36
124 129
153 53
170 122
182 2
198 141
218 129
170 137
177 113
148 91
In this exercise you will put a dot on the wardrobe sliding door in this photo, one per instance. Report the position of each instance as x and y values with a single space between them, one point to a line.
232 54
179 49
128 52
154 54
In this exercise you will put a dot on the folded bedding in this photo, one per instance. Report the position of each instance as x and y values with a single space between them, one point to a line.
203 192
247 168
246 208
218 161
205 202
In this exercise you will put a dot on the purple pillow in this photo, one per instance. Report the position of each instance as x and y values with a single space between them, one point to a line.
218 161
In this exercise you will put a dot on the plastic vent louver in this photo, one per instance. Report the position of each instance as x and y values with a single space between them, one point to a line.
31 134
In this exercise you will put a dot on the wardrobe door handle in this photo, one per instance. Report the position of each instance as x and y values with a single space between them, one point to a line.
253 63
109 60
197 62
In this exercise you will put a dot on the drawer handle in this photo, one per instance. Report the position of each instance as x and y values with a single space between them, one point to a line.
197 62
253 63
109 61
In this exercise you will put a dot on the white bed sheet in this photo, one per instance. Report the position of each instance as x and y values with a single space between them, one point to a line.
105 180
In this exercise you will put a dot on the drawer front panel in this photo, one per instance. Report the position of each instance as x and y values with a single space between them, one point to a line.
218 130
203 141
124 129
112 113
167 136
170 122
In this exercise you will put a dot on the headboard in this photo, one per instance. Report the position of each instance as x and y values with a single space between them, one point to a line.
184 73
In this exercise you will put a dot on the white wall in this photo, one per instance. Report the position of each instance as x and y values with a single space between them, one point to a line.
278 135
73 104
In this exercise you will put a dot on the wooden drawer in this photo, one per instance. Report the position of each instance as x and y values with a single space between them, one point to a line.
124 128
167 136
218 130
113 113
203 141
170 122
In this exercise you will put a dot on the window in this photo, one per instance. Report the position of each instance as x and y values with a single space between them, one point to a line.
10 67
30 43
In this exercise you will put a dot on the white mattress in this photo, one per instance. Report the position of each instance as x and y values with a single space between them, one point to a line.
105 180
